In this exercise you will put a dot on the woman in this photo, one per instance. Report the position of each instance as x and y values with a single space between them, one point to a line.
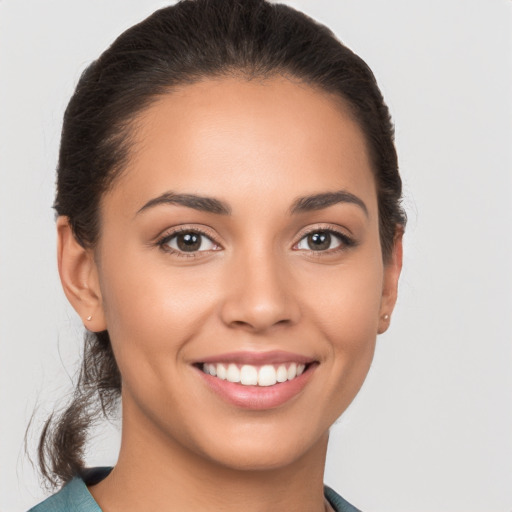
229 229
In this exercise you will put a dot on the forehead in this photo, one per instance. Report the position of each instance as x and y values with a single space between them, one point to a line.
255 137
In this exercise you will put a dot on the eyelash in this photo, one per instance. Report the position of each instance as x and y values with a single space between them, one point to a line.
346 242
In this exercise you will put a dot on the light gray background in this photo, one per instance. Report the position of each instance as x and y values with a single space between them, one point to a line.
432 427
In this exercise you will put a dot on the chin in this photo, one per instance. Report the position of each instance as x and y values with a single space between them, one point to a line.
263 452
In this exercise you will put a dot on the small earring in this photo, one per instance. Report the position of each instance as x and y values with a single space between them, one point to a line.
89 318
385 317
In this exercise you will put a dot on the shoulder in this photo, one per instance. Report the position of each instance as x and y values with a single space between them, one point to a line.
74 496
337 502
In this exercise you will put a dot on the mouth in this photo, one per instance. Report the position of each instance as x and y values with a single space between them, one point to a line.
257 381
255 375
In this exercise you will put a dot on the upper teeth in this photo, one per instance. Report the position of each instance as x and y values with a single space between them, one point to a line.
249 375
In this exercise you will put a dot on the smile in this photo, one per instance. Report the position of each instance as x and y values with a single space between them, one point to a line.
257 381
252 375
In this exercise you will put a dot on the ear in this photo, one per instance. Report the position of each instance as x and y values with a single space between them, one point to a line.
79 277
392 269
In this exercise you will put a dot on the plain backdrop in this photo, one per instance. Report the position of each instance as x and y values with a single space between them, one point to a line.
432 428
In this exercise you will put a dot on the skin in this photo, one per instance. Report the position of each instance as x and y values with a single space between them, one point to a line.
257 146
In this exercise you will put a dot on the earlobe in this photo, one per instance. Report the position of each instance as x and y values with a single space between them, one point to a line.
79 277
392 270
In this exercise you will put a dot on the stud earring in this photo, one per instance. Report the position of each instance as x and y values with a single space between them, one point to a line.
386 317
89 318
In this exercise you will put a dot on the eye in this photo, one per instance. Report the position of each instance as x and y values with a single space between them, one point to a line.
323 240
188 241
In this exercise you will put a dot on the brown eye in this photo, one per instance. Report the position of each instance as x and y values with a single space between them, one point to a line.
320 241
189 241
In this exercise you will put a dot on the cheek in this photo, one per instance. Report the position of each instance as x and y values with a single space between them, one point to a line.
153 311
346 302
151 318
347 314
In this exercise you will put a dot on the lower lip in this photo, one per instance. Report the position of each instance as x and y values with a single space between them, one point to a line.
258 397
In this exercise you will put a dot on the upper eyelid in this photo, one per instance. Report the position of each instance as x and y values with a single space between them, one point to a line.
170 232
324 227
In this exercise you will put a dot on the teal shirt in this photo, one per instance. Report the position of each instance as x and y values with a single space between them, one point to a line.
75 497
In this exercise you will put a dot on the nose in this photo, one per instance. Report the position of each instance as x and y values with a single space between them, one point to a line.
260 294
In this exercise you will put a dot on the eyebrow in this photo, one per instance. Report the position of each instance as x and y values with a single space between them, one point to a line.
212 205
201 203
324 200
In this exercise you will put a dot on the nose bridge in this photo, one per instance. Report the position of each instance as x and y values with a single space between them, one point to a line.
260 292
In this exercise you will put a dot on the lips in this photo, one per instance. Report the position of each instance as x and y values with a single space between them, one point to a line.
257 380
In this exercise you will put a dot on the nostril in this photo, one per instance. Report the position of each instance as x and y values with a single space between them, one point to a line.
240 323
259 324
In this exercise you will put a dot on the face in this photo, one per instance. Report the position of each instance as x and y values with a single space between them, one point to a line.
242 242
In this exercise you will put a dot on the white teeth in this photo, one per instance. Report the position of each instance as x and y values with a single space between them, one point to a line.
267 375
292 371
249 375
282 374
221 372
233 373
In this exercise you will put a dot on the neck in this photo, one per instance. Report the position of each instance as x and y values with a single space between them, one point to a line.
154 472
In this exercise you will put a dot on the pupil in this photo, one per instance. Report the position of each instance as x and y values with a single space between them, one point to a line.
189 242
319 241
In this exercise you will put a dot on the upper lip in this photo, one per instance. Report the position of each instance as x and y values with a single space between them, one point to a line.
258 358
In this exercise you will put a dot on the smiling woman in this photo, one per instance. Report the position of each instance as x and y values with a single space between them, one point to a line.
229 229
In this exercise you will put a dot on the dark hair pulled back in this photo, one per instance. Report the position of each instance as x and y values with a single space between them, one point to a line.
190 41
